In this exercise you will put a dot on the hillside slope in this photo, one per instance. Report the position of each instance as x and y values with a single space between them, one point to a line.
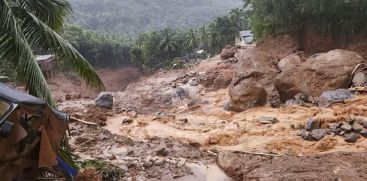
132 16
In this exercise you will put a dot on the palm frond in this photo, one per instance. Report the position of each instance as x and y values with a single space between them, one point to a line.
17 53
52 12
39 34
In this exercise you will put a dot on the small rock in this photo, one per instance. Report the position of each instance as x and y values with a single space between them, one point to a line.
312 124
359 79
184 120
126 121
80 140
195 144
148 164
346 127
193 103
162 152
351 137
317 134
363 132
160 161
227 106
130 152
181 93
267 120
357 127
194 82
112 157
305 135
132 114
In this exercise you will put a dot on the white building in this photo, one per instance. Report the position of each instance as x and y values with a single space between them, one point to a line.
244 38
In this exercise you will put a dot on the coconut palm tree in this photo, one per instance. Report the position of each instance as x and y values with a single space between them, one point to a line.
27 24
168 43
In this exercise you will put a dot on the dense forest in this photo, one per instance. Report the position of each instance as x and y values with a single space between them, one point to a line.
132 16
150 50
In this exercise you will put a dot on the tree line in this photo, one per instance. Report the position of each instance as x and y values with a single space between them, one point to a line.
156 49
340 18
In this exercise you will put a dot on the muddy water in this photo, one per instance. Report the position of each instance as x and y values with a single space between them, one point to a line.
214 128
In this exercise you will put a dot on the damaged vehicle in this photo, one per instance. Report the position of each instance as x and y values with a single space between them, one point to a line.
31 135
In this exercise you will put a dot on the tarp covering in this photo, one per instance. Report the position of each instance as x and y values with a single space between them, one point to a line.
18 97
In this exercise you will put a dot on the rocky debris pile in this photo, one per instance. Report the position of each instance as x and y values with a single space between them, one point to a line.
323 72
326 99
351 130
260 77
150 159
104 100
228 52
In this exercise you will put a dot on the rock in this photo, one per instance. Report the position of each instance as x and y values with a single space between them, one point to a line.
346 127
148 164
290 62
132 114
104 100
126 121
351 137
193 102
228 52
312 124
359 79
181 92
335 127
361 120
267 120
195 144
68 96
305 135
317 134
184 120
328 71
357 127
162 152
337 95
363 132
194 82
227 106
80 140
246 92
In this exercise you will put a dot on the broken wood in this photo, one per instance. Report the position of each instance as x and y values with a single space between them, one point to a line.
259 154
82 121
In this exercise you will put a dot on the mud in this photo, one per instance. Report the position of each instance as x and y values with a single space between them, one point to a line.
178 137
323 167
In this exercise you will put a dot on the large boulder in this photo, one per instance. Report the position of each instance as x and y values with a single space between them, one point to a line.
322 72
246 92
228 52
104 100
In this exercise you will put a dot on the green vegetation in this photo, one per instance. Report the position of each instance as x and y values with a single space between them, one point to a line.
25 24
338 17
157 49
131 17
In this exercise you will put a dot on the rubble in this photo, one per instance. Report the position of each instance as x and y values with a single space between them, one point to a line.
104 100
